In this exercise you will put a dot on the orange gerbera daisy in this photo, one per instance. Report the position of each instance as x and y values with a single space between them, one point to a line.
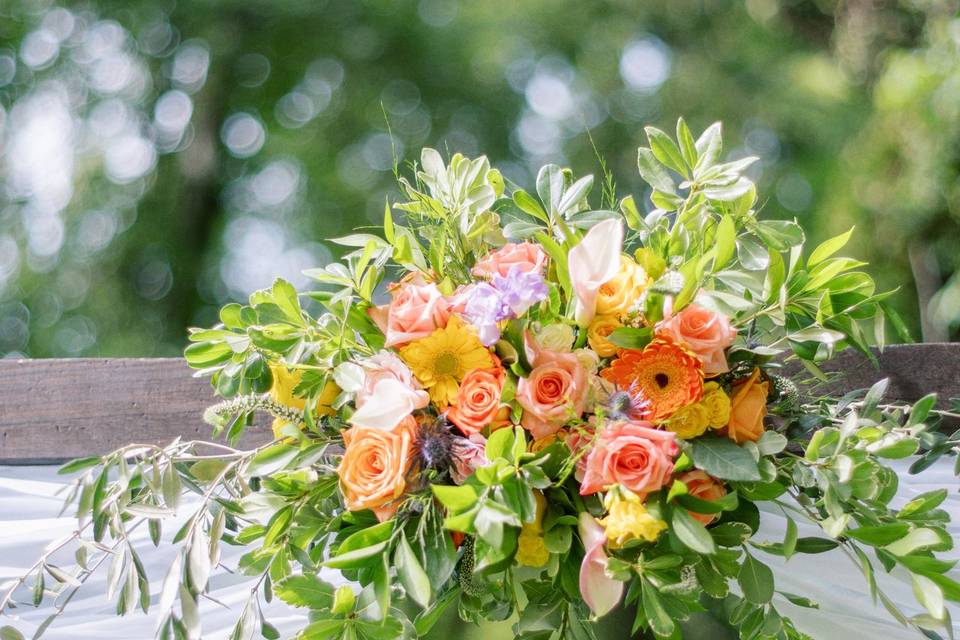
668 375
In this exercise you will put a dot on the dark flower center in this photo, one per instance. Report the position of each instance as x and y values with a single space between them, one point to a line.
661 379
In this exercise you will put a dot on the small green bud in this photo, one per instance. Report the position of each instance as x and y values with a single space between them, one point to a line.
344 600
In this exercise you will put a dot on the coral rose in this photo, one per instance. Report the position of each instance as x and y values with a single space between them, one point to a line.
704 332
632 454
617 295
747 409
526 255
415 312
374 467
598 334
478 400
700 485
554 393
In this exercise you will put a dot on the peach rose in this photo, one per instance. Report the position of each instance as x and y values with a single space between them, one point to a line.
416 311
700 485
527 256
632 454
704 332
554 393
478 400
374 467
748 406
385 365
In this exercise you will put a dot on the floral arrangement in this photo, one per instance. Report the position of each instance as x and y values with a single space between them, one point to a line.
552 409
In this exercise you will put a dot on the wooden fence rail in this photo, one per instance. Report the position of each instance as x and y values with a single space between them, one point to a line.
55 410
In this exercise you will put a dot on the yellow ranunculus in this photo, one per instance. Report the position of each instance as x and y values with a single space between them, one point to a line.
598 333
617 294
717 403
690 421
531 549
285 381
627 519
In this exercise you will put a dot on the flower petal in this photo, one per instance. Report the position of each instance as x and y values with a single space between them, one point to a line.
390 402
592 262
601 592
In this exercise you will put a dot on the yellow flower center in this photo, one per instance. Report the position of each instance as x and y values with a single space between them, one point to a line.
446 364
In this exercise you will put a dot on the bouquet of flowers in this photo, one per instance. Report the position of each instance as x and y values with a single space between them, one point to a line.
552 408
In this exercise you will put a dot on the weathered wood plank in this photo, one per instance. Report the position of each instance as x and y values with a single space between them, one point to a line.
56 410
914 371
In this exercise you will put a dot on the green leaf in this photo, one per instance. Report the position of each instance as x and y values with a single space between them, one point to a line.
756 580
790 539
9 633
500 445
879 535
305 590
726 242
666 151
356 558
921 409
708 145
429 617
688 147
923 503
631 337
730 534
285 297
660 621
722 458
366 537
78 465
414 578
691 533
653 172
456 498
813 544
829 247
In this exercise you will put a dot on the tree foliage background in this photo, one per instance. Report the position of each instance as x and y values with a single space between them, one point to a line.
160 158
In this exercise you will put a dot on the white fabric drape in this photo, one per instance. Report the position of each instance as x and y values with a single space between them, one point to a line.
28 523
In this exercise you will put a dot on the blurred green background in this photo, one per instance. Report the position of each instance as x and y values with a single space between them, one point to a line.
158 159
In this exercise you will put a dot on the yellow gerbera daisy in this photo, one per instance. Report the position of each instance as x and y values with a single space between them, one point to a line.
442 359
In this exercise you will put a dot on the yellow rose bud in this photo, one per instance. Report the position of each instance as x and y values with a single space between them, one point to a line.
690 421
627 519
717 403
617 294
598 333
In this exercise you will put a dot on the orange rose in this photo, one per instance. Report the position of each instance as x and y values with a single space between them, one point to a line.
528 257
416 311
374 467
747 409
598 333
478 400
700 485
704 332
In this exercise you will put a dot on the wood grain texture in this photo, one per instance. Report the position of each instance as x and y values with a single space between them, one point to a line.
914 371
55 410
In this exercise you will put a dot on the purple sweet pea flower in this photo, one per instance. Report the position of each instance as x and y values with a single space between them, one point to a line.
484 309
520 290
